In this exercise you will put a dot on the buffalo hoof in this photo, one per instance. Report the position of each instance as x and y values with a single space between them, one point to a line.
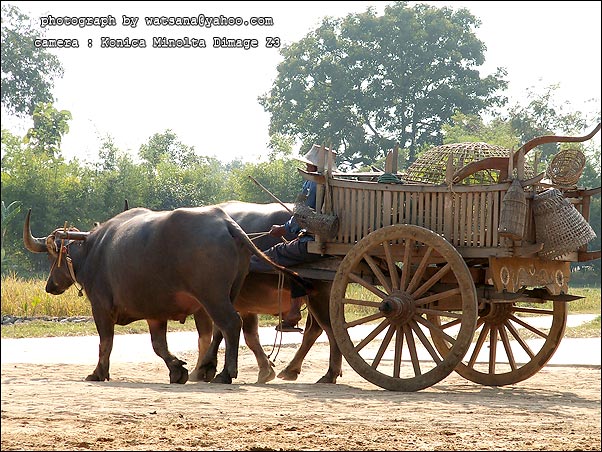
266 375
195 376
178 375
204 373
223 378
327 379
288 375
94 377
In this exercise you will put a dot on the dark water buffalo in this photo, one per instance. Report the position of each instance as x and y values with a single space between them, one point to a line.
157 266
259 295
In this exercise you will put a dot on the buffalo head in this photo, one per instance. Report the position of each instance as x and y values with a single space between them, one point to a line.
57 246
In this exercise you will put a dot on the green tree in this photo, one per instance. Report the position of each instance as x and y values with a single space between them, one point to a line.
49 126
544 115
165 147
8 214
28 72
366 82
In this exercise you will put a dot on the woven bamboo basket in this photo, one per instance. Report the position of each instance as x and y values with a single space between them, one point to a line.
326 226
431 164
566 167
514 212
558 225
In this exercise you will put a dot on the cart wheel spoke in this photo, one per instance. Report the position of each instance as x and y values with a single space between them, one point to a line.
417 277
405 269
507 347
362 282
378 273
370 337
529 336
383 346
393 269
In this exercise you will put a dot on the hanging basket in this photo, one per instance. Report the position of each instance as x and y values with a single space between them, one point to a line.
514 212
326 226
566 167
558 225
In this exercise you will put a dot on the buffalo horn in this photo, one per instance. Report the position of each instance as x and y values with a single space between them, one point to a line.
33 244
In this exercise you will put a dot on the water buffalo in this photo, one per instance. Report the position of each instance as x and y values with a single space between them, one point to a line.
259 295
157 266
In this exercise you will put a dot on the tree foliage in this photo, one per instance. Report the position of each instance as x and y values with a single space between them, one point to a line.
28 72
366 82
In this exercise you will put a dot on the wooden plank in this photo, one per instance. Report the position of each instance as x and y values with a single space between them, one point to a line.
440 214
395 205
421 212
341 212
366 213
432 212
483 209
347 229
456 219
372 210
448 216
354 219
496 218
387 207
414 208
379 210
461 220
407 187
469 220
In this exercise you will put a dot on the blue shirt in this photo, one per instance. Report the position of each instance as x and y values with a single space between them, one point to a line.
309 190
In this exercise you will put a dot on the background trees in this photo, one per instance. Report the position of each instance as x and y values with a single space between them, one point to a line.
367 82
360 84
28 72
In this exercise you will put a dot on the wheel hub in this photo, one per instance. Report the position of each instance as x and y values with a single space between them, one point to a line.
398 307
498 313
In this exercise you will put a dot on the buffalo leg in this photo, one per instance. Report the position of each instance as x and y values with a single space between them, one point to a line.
158 331
227 320
318 320
310 335
106 331
204 327
206 366
250 330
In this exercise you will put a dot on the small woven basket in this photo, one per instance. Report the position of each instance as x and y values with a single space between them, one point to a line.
566 167
326 226
558 225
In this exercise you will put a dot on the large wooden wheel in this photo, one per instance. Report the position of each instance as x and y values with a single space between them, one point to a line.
513 341
397 276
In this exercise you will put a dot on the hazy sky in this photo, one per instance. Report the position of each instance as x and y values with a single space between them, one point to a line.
208 97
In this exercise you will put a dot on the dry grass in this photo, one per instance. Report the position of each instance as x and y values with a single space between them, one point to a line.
27 298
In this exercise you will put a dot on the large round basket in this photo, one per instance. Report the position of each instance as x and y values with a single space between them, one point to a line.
431 164
558 225
566 167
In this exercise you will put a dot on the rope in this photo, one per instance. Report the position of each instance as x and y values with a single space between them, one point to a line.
257 235
280 286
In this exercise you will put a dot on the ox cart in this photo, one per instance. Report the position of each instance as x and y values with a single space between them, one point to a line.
450 276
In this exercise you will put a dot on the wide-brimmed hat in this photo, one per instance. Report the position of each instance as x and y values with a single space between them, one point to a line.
312 156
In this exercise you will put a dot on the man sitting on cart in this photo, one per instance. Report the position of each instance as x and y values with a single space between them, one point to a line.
295 251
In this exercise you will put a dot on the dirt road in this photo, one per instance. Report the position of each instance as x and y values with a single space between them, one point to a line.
50 407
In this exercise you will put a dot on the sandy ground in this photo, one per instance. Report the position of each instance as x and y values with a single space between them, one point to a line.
51 407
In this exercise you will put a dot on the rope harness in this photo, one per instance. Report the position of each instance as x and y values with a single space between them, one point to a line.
277 345
63 250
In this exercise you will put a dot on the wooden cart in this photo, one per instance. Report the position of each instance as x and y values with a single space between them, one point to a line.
442 288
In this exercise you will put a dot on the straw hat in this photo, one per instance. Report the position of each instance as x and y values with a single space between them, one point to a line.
311 157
